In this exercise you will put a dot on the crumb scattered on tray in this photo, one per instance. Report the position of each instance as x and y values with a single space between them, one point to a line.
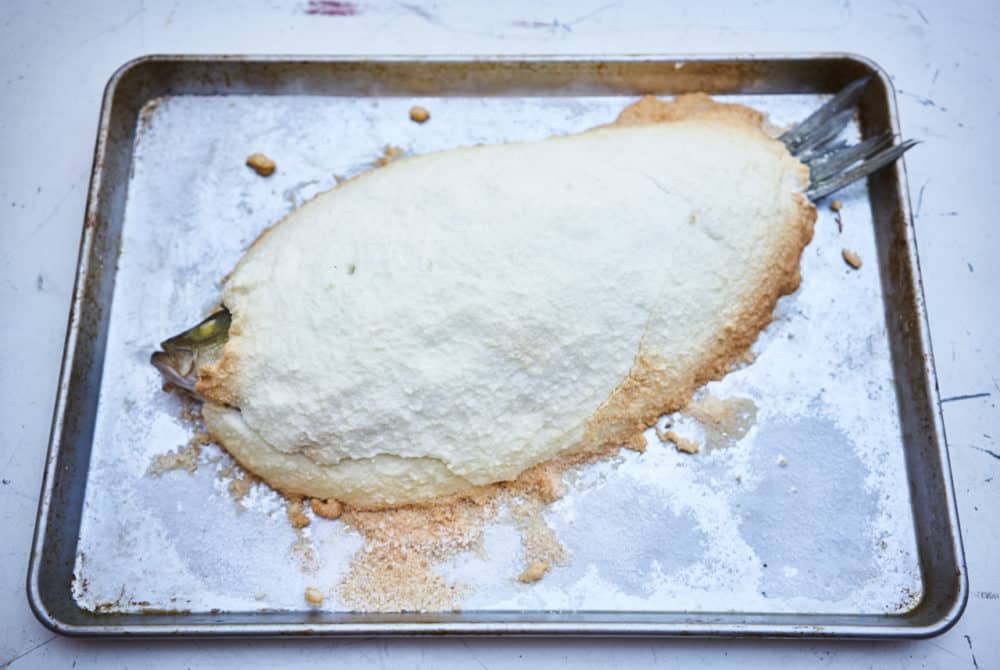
539 542
314 596
535 571
394 570
183 458
851 258
782 461
419 114
682 443
327 509
261 164
187 456
389 154
835 208
238 488
296 513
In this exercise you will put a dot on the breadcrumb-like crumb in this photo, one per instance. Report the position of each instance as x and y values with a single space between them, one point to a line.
535 571
314 596
238 488
261 164
296 513
328 509
389 154
682 443
182 458
419 114
851 258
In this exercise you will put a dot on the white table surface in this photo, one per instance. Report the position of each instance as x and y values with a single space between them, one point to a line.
55 58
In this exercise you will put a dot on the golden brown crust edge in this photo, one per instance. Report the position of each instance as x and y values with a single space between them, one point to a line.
649 109
632 408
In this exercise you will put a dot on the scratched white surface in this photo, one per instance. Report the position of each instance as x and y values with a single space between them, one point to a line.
56 59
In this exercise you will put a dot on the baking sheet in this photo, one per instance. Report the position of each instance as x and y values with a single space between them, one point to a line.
810 513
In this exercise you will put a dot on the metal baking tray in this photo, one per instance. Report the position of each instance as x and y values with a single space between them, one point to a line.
843 486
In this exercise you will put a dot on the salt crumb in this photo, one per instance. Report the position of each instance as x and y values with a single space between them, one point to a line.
183 458
328 509
261 164
782 461
296 513
419 114
851 258
389 154
238 488
535 571
682 444
539 542
314 596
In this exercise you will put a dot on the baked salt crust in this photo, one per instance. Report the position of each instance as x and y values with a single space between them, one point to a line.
450 320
